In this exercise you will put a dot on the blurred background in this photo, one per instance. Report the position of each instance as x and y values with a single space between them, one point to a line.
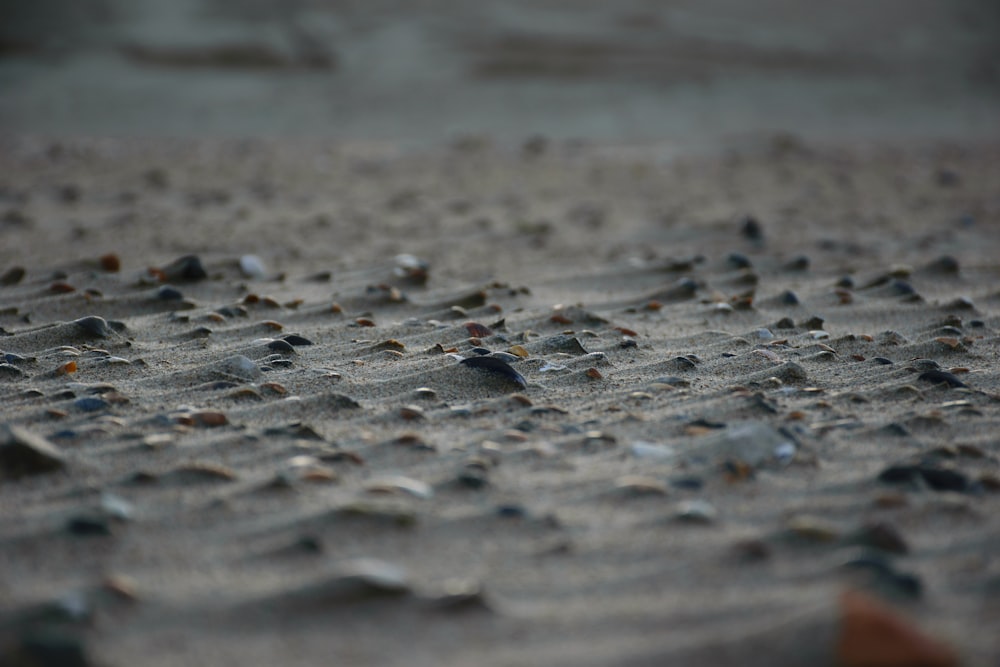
692 73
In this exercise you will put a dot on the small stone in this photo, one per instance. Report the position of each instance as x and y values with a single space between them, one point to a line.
751 229
696 511
184 269
641 449
296 340
281 346
879 535
93 326
169 293
12 276
23 453
252 266
811 529
498 367
941 377
91 404
88 526
238 367
640 485
412 413
800 263
396 484
936 477
739 261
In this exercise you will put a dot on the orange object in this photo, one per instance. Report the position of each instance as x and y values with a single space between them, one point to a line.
873 634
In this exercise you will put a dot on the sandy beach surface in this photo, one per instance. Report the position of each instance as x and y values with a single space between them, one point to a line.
499 334
241 433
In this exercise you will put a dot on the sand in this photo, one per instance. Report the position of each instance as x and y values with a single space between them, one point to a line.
690 473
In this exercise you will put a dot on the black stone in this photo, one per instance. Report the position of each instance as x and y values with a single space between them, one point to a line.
941 377
297 340
281 346
88 526
497 366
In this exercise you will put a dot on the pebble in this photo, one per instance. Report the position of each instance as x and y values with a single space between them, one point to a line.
296 340
739 261
88 526
696 512
356 581
934 476
238 367
395 484
169 293
640 485
91 404
800 263
939 377
183 269
751 229
281 346
879 535
13 276
497 366
642 449
94 326
252 266
24 453
811 529
10 372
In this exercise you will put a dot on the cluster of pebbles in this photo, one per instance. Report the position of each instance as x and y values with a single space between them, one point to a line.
205 446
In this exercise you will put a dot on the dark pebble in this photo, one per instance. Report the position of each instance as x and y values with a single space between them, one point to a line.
511 511
941 377
309 544
739 261
90 404
789 298
17 359
682 363
297 340
473 478
814 322
94 326
88 526
784 323
281 346
481 351
885 575
689 483
882 536
882 360
24 453
800 263
627 343
49 648
751 229
902 288
943 264
706 423
497 366
168 293
896 429
10 372
188 268
13 275
846 282
977 324
936 477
